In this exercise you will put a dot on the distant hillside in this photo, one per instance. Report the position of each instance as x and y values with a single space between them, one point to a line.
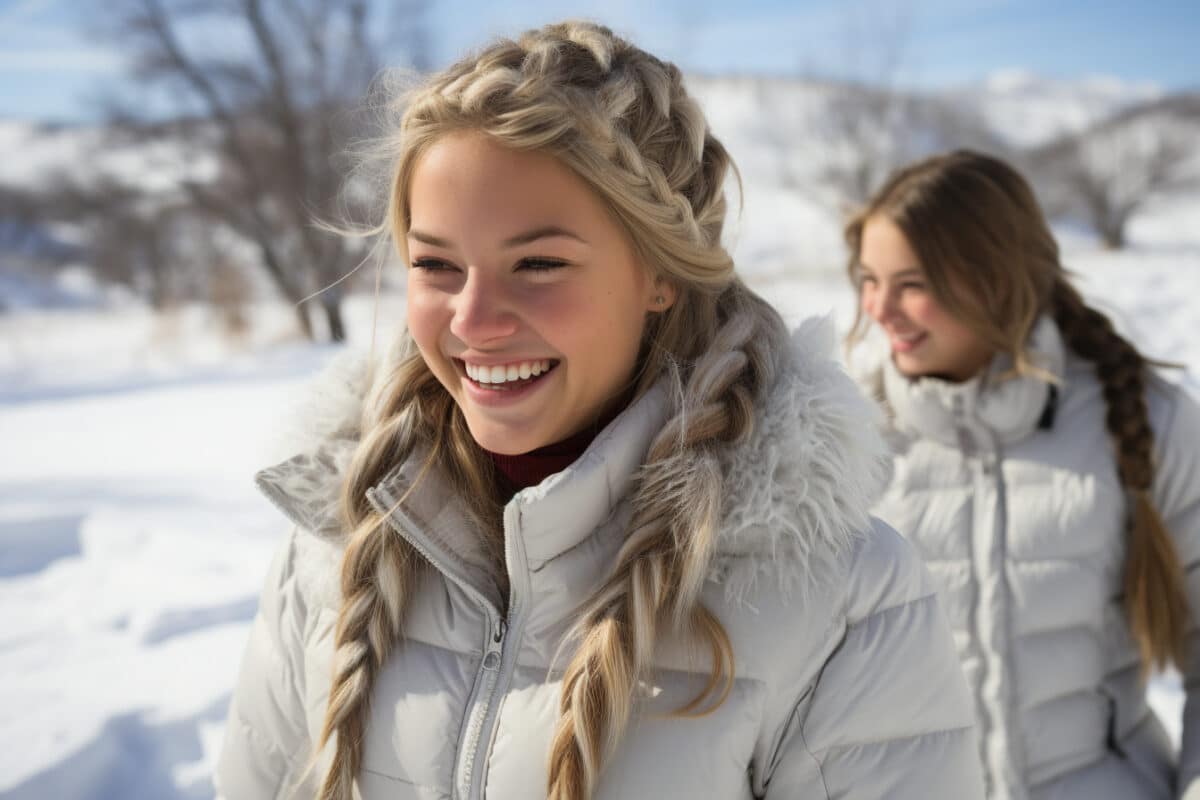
1028 110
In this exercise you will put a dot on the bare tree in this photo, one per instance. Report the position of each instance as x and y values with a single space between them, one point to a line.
19 220
857 126
1109 172
128 233
276 102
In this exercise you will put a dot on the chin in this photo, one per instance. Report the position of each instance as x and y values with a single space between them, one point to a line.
913 367
503 440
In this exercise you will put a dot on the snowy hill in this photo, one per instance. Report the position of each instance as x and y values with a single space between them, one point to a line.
1029 110
90 153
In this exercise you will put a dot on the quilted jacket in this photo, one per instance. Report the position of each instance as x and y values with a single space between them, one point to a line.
1009 490
847 685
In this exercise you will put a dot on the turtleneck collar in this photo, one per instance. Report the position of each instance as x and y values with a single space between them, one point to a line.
1009 407
517 472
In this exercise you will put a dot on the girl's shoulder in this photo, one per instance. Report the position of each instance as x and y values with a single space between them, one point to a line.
783 632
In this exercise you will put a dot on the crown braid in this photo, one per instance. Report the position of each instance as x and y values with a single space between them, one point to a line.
1155 600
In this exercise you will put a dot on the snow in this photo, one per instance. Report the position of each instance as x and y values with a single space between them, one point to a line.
133 546
1029 109
86 154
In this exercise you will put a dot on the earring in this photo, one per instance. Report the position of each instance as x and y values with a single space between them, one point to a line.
659 300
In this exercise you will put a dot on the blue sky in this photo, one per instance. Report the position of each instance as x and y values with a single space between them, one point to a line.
51 68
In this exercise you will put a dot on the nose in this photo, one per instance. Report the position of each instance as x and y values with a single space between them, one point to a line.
482 312
878 303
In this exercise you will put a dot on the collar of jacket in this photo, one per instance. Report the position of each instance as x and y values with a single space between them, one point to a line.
796 492
1010 408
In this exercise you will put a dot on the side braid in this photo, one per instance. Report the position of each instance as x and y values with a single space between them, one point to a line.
663 563
1155 599
379 567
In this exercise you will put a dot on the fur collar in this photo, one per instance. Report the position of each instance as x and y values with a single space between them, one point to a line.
797 492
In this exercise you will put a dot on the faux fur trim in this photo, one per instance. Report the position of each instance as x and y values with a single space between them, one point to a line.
797 493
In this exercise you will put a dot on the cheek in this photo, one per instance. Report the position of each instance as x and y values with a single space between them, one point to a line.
426 317
926 312
600 330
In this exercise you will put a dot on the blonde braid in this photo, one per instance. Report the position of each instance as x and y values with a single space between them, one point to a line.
379 567
663 564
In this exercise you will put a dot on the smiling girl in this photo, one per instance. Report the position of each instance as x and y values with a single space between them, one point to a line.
1049 476
598 528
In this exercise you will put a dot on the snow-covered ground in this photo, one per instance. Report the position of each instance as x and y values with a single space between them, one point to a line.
132 544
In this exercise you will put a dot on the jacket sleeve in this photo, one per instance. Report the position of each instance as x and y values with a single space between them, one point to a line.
890 715
266 745
1177 498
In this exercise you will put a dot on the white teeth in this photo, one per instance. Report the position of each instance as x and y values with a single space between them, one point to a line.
509 372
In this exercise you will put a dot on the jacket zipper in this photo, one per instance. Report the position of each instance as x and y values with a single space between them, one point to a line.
988 471
507 631
496 666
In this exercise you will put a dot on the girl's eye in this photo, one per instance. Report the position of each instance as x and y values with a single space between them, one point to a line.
915 286
431 265
540 264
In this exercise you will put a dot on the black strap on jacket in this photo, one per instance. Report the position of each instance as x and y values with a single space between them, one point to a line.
1046 422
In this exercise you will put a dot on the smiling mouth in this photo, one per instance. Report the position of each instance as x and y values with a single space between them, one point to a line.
508 377
904 344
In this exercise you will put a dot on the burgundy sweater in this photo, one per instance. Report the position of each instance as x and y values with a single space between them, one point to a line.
518 472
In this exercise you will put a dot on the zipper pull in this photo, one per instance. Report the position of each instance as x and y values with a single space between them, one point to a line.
491 659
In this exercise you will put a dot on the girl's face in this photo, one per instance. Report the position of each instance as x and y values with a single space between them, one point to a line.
925 338
525 297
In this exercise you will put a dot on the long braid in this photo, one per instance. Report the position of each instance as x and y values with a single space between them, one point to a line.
379 567
663 563
1155 599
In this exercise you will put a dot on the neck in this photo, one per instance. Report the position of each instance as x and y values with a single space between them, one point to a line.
517 472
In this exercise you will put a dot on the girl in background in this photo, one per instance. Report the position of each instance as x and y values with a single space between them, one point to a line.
1049 477
599 528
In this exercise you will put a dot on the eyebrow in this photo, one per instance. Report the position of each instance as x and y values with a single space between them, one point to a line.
905 273
546 232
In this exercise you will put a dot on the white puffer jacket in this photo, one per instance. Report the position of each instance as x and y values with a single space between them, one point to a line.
847 685
1014 501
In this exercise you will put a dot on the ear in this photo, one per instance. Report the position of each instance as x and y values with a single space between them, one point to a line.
662 295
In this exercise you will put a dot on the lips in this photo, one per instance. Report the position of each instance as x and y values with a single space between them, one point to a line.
907 342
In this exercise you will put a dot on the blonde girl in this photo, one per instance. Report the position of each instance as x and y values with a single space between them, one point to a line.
598 528
1048 475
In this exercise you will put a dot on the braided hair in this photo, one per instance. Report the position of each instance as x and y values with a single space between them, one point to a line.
1155 598
991 260
623 122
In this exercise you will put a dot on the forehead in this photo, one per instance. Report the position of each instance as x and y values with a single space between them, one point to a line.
885 249
468 179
